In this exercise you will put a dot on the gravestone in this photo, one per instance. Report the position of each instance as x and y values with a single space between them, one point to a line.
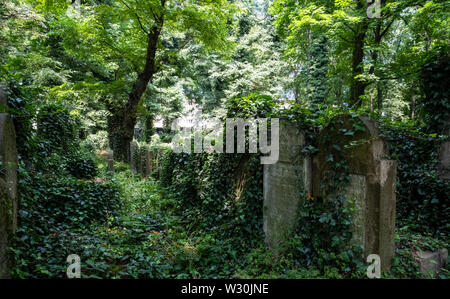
283 183
134 156
8 186
110 161
143 161
9 161
431 263
146 159
5 230
150 162
356 142
444 158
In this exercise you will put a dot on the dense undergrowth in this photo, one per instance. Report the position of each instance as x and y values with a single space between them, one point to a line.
201 216
151 235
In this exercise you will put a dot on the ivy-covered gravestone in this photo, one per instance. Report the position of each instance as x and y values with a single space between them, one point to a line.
284 183
350 162
146 160
110 161
444 158
134 157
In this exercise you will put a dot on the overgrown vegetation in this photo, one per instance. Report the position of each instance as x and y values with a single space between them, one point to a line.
78 85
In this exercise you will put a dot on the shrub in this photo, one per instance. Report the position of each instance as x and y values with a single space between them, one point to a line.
56 218
56 127
82 167
422 197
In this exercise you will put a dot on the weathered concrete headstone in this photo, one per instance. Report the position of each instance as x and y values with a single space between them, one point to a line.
356 142
134 156
143 161
110 160
444 159
431 263
5 230
9 160
283 183
150 162
146 160
8 187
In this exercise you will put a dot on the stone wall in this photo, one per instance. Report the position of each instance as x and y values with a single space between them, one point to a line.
8 187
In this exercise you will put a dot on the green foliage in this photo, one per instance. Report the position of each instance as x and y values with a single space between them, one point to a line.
435 82
215 199
82 167
22 114
422 198
323 238
51 210
251 106
408 243
56 128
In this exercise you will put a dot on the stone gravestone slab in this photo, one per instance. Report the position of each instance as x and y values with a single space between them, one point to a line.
144 162
444 158
5 230
283 183
146 158
110 161
150 162
355 141
8 190
134 156
9 161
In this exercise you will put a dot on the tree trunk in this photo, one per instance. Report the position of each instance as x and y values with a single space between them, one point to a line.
379 98
357 86
122 122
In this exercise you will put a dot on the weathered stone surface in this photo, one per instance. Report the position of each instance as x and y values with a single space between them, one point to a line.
144 162
444 160
9 161
430 262
147 162
110 160
134 156
388 179
150 162
8 190
5 230
283 183
372 181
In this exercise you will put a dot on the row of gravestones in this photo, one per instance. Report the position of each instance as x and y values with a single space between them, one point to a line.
372 181
142 160
8 185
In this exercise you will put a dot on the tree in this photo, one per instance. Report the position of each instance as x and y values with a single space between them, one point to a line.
355 37
128 35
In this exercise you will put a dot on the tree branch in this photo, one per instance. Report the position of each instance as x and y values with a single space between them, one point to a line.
137 17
